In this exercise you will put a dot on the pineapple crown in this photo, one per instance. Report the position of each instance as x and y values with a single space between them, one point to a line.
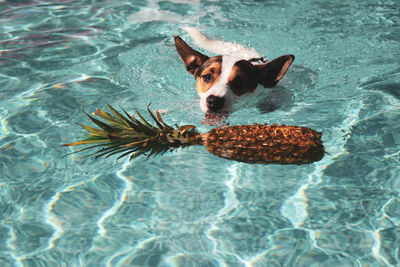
125 134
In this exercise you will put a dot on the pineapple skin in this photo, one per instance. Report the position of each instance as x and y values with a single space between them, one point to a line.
265 143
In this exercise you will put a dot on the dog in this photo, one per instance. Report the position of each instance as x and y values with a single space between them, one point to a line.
222 80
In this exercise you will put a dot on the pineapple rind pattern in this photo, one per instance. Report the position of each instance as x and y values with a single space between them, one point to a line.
257 143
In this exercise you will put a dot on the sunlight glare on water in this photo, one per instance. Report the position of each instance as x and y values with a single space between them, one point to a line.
189 207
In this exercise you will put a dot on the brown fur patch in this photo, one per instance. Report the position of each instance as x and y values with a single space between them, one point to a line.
212 67
244 78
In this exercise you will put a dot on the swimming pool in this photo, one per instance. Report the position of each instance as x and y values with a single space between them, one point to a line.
189 207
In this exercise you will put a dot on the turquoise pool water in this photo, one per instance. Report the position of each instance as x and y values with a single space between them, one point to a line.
189 207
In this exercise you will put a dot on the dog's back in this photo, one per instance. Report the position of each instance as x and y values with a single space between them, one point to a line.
221 47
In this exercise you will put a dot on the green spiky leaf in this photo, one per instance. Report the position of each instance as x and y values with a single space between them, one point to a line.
125 135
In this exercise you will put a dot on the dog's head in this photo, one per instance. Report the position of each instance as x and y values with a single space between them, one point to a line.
221 80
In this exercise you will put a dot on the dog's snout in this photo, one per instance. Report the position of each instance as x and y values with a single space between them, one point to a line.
215 103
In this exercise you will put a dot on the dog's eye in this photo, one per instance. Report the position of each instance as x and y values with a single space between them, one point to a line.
207 78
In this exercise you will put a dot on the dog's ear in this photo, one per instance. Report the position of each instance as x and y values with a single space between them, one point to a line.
190 57
274 70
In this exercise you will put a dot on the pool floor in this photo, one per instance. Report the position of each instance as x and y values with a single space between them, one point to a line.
189 207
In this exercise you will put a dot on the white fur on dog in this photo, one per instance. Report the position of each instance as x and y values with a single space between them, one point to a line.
220 47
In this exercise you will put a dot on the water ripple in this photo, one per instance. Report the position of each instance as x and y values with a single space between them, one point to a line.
190 208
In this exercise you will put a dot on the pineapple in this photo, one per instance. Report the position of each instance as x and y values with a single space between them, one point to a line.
258 143
255 143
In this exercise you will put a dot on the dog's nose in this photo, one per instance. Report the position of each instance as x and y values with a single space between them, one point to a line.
215 103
